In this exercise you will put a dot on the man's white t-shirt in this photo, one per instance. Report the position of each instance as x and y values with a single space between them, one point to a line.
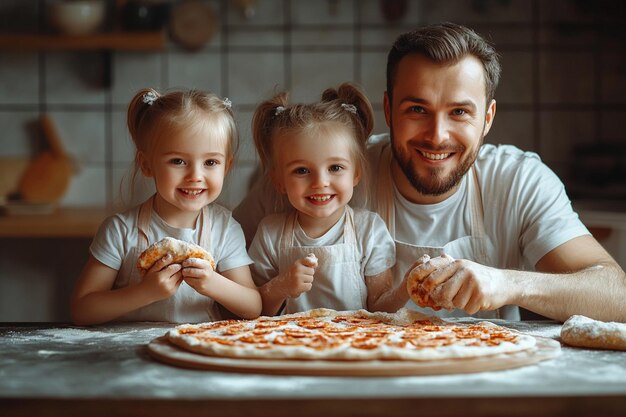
526 210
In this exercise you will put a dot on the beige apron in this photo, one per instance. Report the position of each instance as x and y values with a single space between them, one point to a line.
338 281
186 305
476 247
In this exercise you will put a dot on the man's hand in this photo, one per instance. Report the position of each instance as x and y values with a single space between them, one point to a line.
461 284
162 279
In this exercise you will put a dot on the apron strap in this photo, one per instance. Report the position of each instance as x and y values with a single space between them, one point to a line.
384 204
204 232
477 218
143 224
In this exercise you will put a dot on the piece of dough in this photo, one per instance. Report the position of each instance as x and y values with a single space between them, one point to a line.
417 293
179 249
585 332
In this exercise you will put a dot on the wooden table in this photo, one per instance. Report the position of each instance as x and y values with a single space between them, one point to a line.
57 369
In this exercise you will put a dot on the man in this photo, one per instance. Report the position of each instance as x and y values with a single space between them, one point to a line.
496 222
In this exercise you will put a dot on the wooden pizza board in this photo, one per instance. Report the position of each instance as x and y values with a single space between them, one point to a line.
164 351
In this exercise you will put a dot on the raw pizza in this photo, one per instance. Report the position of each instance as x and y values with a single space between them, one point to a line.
348 335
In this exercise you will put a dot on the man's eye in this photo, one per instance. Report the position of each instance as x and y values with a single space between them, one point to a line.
335 168
458 112
176 161
300 171
417 109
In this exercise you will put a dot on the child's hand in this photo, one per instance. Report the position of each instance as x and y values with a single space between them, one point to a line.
299 278
198 274
163 279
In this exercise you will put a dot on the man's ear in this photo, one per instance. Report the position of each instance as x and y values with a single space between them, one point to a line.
387 107
144 165
489 116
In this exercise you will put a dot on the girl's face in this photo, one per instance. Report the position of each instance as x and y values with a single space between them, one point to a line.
317 172
188 170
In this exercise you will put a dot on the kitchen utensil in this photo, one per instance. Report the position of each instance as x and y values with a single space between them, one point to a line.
192 24
138 15
46 178
393 10
77 17
11 170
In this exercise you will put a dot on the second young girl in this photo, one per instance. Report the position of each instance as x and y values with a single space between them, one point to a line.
322 253
185 141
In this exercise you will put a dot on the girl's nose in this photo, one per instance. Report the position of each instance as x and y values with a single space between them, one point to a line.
320 180
194 173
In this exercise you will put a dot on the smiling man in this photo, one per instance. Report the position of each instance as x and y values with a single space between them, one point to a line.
495 222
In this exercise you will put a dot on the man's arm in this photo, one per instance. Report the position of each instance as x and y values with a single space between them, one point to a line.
577 277
580 277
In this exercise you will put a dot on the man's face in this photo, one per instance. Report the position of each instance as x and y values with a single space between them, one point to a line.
438 119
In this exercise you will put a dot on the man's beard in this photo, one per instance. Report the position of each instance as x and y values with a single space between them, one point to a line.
432 184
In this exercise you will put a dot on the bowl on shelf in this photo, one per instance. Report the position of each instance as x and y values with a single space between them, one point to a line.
77 17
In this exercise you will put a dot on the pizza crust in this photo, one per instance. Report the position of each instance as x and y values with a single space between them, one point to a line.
586 332
179 249
353 335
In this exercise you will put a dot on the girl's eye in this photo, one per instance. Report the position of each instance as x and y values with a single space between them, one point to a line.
211 162
335 168
176 161
301 171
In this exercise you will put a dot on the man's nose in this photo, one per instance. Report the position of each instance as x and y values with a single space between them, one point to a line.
439 129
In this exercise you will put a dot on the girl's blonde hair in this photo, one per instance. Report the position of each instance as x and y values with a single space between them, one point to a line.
346 106
153 116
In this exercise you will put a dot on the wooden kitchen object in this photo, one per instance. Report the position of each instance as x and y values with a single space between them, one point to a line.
47 177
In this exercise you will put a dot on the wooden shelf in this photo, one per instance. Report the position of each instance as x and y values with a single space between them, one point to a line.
62 223
108 41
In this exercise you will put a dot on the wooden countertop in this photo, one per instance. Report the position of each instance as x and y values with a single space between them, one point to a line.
58 369
61 222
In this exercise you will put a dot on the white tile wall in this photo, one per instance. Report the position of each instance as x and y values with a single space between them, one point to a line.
134 71
313 72
19 78
254 76
74 78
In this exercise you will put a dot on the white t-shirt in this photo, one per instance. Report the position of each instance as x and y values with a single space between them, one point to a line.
374 243
115 246
526 209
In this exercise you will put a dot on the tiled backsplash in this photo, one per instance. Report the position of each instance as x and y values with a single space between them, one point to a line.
564 66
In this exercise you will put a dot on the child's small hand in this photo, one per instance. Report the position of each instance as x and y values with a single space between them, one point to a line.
163 279
198 274
299 278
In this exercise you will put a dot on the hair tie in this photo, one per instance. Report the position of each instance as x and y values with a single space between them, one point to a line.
149 98
227 103
349 107
279 110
